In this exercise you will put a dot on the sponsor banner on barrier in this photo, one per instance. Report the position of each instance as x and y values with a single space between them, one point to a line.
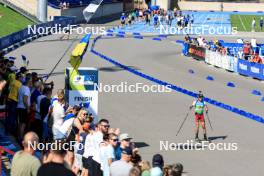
243 67
197 52
251 69
256 70
223 61
235 64
218 60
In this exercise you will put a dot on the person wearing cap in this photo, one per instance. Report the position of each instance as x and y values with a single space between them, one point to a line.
199 107
123 166
125 140
123 19
157 165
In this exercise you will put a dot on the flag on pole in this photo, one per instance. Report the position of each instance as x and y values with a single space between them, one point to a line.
79 51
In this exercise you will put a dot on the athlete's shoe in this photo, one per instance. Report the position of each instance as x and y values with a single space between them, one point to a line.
205 137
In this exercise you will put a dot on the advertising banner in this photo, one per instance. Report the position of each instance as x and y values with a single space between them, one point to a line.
243 67
81 88
197 52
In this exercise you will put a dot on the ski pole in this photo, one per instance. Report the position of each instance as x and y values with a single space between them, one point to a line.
209 121
183 122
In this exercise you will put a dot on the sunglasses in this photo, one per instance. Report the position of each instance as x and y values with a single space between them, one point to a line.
106 126
115 140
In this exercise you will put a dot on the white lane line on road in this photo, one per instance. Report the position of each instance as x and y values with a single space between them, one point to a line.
242 23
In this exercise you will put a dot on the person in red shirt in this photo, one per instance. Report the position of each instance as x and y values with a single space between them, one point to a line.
257 59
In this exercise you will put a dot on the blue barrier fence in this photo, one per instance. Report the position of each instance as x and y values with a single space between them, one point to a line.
26 33
254 70
231 63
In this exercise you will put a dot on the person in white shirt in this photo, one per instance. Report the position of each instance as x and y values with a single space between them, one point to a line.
58 112
123 166
200 41
240 53
23 105
107 152
239 40
254 42
91 156
253 25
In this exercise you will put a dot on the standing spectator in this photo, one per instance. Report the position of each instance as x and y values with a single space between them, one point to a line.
256 59
11 120
35 119
123 19
157 165
91 157
124 143
253 25
38 121
23 71
145 168
44 106
74 129
2 83
58 112
107 152
254 42
24 162
56 164
240 54
261 23
247 50
240 41
123 166
79 146
23 105
155 20
147 17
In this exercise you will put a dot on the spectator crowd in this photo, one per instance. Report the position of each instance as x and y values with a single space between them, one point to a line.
83 147
249 51
158 17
